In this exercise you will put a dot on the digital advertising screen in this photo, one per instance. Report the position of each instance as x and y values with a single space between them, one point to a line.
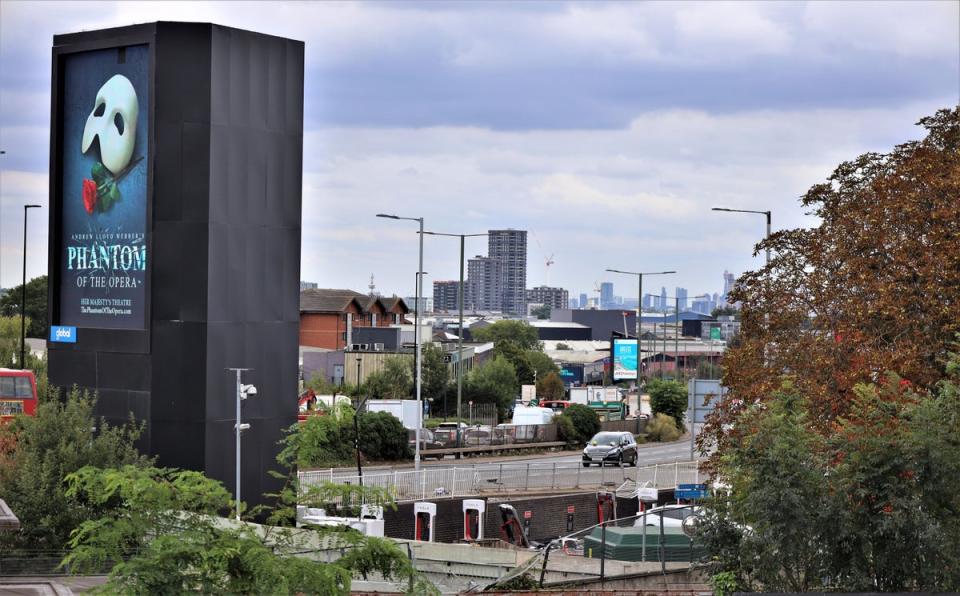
624 359
103 205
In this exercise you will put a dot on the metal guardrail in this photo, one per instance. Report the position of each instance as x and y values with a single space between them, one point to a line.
429 483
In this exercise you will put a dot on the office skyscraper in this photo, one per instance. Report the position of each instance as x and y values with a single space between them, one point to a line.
606 295
682 295
509 249
663 299
583 301
728 281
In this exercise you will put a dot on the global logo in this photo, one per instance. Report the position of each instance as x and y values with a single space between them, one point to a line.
63 334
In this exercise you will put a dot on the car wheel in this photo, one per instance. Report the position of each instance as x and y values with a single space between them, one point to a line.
586 464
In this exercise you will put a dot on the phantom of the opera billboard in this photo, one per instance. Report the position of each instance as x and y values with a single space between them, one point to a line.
103 203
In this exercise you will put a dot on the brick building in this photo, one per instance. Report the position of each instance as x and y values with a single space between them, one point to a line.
328 316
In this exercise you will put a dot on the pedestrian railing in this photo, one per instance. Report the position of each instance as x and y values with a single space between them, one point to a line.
411 485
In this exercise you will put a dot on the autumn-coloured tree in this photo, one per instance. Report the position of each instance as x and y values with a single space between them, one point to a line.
874 288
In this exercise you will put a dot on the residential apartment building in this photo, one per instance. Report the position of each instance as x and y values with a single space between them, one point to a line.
329 316
554 297
446 296
484 284
509 248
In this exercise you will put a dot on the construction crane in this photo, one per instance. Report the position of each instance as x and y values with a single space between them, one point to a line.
548 260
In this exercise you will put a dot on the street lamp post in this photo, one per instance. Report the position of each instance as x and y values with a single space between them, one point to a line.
639 305
766 213
676 335
416 335
23 293
243 391
460 328
356 423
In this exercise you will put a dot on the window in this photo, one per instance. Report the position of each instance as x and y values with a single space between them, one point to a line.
23 388
7 387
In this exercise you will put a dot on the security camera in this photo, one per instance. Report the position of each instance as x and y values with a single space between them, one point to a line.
247 390
244 426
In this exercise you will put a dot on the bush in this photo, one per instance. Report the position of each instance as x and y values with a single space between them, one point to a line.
584 423
63 437
323 441
382 436
668 397
662 428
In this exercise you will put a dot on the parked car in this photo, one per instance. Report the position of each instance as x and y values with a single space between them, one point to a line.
427 442
673 515
610 447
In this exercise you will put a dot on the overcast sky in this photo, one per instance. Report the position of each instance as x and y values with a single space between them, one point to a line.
607 130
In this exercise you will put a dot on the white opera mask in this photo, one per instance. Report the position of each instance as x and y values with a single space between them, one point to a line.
114 121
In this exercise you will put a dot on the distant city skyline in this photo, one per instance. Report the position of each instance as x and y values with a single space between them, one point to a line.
607 130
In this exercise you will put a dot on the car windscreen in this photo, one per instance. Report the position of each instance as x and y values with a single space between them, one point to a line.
606 439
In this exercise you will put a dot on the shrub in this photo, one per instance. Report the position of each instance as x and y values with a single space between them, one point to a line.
668 397
382 436
662 428
584 422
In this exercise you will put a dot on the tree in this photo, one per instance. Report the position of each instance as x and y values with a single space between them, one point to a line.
393 381
670 398
36 306
541 364
493 382
541 312
167 538
60 439
859 510
434 370
322 441
550 387
383 437
874 287
520 333
583 421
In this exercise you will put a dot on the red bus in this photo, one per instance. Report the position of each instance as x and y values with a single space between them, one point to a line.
18 393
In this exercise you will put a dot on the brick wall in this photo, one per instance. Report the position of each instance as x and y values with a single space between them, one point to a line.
322 330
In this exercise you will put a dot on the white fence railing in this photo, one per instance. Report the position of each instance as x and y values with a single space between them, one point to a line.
410 485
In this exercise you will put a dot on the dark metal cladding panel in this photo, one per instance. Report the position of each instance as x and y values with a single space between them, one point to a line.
227 150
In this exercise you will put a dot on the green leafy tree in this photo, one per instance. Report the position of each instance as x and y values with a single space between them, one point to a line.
520 333
871 507
61 438
165 537
382 436
542 364
36 306
584 423
541 312
322 441
550 387
9 340
393 381
434 371
668 397
493 382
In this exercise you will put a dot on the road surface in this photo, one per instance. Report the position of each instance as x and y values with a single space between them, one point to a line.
649 454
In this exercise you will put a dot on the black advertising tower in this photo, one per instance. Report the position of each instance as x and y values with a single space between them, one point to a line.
175 190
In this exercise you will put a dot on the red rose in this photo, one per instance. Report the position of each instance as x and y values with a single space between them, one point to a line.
89 195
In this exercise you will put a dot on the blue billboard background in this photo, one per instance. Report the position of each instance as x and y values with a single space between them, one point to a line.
624 359
103 244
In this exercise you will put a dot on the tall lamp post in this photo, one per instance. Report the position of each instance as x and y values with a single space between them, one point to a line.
766 213
23 292
460 323
676 333
242 393
416 335
639 305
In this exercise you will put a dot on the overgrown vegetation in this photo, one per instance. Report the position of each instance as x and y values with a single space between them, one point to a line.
40 451
662 428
